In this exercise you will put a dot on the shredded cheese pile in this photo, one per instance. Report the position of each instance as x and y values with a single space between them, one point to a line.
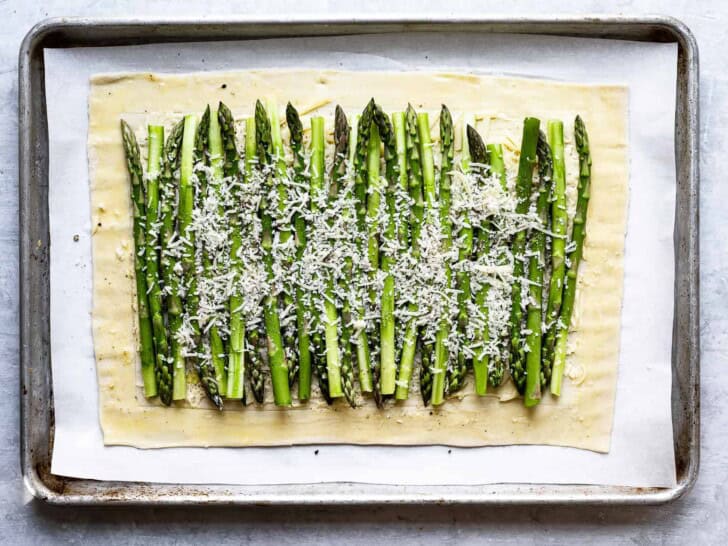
334 263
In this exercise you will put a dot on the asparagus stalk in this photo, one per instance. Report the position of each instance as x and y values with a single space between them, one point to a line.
231 169
414 187
341 151
428 183
331 314
283 225
255 368
496 367
295 128
559 222
388 366
479 155
276 353
146 341
374 191
189 198
366 382
577 242
163 373
537 262
524 185
170 278
409 345
455 378
216 161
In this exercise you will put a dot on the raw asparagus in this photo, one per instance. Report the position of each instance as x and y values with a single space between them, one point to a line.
415 189
409 345
374 192
256 375
388 366
163 371
341 151
331 314
366 383
537 262
497 365
283 226
414 175
577 243
526 164
455 377
441 354
170 277
146 341
274 341
231 170
559 221
295 128
193 197
479 156
215 161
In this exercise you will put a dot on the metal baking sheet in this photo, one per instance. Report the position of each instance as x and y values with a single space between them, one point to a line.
37 409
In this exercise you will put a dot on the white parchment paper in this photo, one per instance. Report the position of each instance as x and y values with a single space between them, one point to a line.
642 441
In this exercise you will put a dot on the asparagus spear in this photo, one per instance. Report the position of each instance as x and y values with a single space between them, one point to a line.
255 368
524 185
231 169
388 367
146 342
537 262
366 383
496 367
276 353
170 278
194 153
331 314
414 177
163 373
216 160
455 378
428 183
283 225
374 190
558 244
479 155
304 344
577 242
341 151
409 345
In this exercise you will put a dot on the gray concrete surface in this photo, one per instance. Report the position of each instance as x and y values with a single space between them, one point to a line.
700 518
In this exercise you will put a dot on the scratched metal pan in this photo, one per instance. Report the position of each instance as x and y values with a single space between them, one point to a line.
36 393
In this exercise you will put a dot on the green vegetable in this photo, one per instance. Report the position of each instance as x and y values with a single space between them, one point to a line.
526 164
577 242
388 366
276 354
231 169
170 278
341 151
146 340
295 127
480 156
537 263
366 381
559 221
